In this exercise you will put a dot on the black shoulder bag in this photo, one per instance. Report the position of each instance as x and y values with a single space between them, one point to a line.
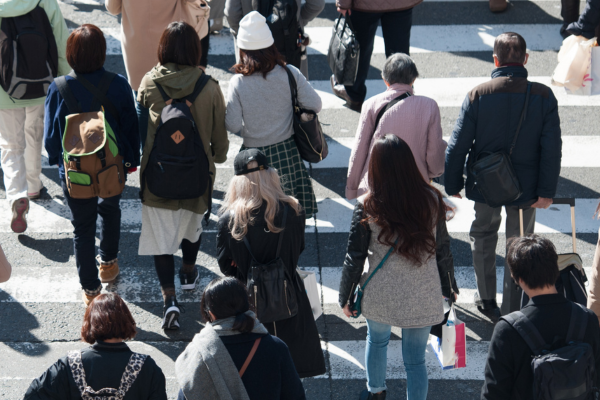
387 107
308 133
344 51
494 174
271 290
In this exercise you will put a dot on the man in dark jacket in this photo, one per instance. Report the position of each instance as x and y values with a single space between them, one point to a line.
487 124
508 373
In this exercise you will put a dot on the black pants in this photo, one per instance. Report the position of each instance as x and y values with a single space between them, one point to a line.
84 213
165 263
396 36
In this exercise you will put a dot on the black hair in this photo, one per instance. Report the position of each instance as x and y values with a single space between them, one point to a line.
533 259
224 298
510 47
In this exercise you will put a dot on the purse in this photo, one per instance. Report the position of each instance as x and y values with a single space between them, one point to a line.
308 133
494 174
344 52
355 302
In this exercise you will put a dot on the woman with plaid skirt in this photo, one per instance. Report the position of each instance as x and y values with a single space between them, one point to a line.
259 107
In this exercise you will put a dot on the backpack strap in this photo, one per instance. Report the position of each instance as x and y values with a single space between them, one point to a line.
74 360
279 242
99 92
527 330
388 106
578 323
250 356
132 370
200 83
67 94
166 98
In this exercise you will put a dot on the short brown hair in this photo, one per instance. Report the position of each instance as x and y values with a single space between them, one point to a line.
86 49
180 44
107 317
510 47
533 260
263 61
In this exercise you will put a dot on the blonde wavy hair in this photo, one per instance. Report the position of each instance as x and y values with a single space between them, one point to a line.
246 193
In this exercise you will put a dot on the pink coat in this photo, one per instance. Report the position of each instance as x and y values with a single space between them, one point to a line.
415 119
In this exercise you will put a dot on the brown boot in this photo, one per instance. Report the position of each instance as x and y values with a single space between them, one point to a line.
497 6
109 270
89 295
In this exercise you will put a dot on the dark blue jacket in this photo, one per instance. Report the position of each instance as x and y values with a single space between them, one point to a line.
488 122
126 129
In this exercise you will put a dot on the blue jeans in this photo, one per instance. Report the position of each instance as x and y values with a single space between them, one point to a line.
142 114
414 342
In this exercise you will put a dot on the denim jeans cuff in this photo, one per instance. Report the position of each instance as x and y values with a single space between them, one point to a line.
376 389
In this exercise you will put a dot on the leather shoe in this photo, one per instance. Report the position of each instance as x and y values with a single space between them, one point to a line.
366 395
497 6
340 91
489 308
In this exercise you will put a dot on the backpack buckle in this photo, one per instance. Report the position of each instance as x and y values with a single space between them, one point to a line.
102 156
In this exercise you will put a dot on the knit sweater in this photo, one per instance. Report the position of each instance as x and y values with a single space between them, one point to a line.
416 120
261 108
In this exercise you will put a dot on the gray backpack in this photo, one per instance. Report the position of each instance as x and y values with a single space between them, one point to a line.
566 373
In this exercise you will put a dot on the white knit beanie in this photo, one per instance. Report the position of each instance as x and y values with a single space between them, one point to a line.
253 33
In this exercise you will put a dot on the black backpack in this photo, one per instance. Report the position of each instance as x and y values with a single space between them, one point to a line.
28 55
566 373
178 166
270 287
282 19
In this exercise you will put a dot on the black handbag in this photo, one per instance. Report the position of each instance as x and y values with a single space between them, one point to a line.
494 174
343 52
308 133
271 289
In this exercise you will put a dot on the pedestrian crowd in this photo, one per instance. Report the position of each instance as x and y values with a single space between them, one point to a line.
260 338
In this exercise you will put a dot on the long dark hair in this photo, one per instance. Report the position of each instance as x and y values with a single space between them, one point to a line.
263 61
400 201
227 297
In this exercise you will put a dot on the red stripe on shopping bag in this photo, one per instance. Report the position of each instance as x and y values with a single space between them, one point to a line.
461 346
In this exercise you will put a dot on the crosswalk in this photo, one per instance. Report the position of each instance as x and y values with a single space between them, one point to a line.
40 309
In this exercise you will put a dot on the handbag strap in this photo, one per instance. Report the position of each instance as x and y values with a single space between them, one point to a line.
380 264
279 242
523 116
293 89
388 106
250 356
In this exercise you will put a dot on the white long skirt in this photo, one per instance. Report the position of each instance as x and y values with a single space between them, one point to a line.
163 230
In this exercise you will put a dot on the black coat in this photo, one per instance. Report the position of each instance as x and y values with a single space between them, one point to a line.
508 373
104 364
488 122
299 332
271 375
588 21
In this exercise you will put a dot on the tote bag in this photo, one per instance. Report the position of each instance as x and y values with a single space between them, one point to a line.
451 349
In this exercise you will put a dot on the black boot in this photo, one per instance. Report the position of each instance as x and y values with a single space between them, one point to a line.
366 395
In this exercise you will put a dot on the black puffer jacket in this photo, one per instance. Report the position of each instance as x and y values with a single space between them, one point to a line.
299 332
588 21
358 249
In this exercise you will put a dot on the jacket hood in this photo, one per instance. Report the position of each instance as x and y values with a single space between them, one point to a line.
14 8
177 80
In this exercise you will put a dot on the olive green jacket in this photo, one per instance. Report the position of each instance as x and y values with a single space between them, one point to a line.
208 111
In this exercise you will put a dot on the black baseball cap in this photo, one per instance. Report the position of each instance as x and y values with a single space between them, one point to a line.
240 164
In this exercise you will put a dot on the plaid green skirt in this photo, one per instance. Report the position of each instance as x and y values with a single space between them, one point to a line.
295 180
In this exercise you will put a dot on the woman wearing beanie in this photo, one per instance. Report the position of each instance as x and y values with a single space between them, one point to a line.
234 357
261 224
259 107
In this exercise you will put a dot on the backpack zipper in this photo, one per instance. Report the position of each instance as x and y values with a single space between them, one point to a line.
286 299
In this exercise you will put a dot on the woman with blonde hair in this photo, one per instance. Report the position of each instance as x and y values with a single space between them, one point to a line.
260 225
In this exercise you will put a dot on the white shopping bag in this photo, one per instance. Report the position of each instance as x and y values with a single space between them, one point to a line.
574 68
451 349
310 284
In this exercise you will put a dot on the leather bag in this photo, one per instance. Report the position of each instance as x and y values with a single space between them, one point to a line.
494 174
308 133
344 52
271 289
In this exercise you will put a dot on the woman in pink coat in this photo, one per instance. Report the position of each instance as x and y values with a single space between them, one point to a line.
414 119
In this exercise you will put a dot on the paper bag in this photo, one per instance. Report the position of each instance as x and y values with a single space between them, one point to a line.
573 71
451 349
310 284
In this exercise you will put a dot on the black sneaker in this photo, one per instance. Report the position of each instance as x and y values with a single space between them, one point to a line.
366 395
171 314
188 280
489 308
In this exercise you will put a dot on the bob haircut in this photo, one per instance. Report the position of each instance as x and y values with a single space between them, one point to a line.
227 297
263 61
180 44
86 49
107 317
533 260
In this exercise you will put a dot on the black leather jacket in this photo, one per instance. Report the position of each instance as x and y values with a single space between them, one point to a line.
358 248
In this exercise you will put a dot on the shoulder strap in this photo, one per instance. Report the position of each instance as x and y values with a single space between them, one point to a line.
97 91
132 370
248 247
162 92
67 95
527 330
285 211
200 83
74 360
387 107
103 87
523 116
250 356
293 88
578 323
383 260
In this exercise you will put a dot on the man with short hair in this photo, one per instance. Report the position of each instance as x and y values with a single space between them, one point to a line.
533 264
487 124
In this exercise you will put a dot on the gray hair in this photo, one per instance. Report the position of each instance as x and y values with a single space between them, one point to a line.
399 68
